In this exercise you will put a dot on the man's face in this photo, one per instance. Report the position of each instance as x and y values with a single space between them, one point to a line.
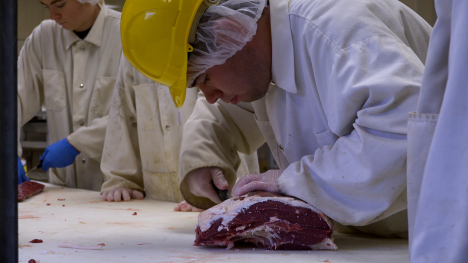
71 14
243 77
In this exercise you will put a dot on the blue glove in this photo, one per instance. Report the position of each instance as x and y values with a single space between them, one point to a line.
21 174
59 154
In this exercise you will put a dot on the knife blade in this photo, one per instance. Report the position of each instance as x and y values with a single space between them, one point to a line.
39 165
223 194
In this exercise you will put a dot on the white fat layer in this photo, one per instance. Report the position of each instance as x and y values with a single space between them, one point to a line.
260 231
270 234
326 243
230 208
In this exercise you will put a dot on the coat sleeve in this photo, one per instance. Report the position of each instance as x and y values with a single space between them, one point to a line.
90 140
361 178
30 81
121 162
213 136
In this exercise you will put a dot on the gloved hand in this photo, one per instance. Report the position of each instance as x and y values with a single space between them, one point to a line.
119 194
258 182
21 173
186 207
200 182
59 154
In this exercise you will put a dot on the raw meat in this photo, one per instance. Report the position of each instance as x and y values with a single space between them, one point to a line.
28 189
268 220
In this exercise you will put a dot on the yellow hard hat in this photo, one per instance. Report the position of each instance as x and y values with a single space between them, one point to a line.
156 37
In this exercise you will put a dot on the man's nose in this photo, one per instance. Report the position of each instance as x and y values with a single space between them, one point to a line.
54 15
211 95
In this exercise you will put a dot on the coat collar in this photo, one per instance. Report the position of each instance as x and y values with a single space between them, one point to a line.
282 46
95 34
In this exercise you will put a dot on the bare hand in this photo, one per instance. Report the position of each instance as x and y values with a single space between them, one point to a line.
258 182
121 194
200 182
186 207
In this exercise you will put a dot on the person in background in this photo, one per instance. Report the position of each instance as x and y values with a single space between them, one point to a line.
142 142
328 84
438 145
69 64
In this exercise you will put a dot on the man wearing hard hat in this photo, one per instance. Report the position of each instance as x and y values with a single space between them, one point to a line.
328 85
69 64
143 139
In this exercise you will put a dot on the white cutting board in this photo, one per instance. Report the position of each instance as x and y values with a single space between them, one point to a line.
156 234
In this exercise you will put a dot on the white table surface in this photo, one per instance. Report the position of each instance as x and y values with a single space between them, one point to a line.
156 234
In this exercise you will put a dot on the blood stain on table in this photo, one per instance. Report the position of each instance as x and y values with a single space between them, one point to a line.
120 223
21 245
27 217
134 214
36 241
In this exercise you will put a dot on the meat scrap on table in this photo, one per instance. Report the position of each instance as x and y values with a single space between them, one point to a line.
28 189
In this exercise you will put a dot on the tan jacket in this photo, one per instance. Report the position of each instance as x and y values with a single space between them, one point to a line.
143 139
74 78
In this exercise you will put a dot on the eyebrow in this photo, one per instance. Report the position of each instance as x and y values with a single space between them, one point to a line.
53 2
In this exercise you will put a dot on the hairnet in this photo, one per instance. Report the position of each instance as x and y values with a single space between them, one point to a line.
93 2
223 30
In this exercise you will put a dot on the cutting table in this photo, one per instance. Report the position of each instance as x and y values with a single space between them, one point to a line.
151 231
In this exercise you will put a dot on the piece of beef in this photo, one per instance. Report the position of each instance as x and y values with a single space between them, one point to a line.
268 220
28 189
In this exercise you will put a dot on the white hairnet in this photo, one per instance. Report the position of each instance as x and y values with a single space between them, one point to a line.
93 2
223 30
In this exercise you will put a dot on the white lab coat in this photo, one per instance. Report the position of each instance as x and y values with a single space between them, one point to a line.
142 145
74 78
345 76
438 145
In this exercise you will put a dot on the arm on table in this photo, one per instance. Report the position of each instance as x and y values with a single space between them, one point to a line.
212 137
121 162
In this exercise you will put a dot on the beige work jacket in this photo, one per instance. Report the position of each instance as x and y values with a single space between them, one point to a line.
143 139
74 79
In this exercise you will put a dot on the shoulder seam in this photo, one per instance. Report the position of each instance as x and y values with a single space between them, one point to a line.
316 28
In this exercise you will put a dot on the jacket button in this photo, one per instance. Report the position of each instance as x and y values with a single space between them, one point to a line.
84 160
81 85
82 48
281 147
81 123
168 128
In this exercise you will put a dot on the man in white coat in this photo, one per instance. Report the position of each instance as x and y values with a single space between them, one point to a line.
438 145
328 85
143 140
69 64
